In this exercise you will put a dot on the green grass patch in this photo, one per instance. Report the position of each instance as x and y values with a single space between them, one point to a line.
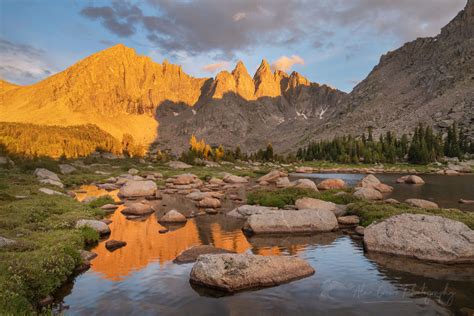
377 211
281 197
101 201
47 245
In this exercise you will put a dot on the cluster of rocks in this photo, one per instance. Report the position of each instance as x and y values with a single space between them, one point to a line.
46 176
370 188
280 179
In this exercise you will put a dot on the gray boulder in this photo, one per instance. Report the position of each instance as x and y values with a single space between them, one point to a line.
314 204
422 203
367 193
304 184
6 242
291 222
98 226
134 188
138 209
245 211
423 237
46 174
66 169
234 272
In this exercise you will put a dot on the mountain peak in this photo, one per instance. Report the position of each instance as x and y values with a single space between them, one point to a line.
244 83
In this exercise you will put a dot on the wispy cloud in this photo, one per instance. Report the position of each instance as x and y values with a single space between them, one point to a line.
285 63
212 68
23 64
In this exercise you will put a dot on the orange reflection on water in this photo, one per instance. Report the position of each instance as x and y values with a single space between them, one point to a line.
92 190
145 244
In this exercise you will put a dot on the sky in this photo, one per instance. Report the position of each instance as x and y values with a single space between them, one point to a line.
333 42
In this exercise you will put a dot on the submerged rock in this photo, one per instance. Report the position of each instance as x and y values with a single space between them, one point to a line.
96 225
424 237
464 201
113 244
191 254
295 222
422 203
234 272
134 188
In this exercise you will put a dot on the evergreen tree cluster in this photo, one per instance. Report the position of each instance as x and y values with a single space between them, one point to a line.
423 147
30 140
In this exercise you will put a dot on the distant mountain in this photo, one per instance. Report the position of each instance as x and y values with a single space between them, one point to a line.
428 80
122 92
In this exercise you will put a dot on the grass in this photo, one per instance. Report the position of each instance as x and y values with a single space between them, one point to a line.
47 245
281 197
101 201
377 211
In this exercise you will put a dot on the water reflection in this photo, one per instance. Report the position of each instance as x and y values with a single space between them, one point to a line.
87 191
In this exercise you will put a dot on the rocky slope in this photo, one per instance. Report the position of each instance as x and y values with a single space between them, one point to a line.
122 92
115 89
429 80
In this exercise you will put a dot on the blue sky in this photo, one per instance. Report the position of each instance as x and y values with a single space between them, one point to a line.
335 42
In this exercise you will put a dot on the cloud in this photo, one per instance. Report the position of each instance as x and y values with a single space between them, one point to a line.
23 64
239 16
216 66
285 63
209 26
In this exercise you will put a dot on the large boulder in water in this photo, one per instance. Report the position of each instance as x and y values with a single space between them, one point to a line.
234 272
368 182
291 222
424 237
412 179
134 188
191 254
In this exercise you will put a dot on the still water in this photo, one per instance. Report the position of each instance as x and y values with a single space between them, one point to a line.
141 278
444 190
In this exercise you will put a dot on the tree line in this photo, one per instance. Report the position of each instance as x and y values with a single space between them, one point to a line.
423 147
